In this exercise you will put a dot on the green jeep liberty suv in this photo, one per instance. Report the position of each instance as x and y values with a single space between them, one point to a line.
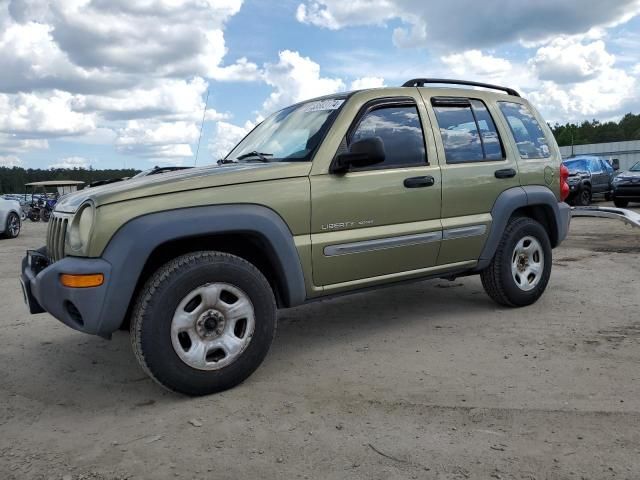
331 195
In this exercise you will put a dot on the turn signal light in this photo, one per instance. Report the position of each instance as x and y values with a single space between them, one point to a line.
564 185
82 281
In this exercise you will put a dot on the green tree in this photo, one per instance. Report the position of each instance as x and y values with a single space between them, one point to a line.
628 128
12 180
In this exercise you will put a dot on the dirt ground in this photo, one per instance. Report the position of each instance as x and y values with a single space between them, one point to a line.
430 380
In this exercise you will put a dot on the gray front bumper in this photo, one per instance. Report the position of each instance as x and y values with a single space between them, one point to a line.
82 309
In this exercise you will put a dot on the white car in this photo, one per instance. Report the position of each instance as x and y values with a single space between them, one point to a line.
10 222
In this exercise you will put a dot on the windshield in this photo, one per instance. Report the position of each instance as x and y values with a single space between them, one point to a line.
292 134
636 167
576 166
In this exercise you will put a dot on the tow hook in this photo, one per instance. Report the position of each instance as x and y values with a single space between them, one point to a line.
627 216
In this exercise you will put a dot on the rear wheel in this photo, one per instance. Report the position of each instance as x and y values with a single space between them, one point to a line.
620 203
583 198
520 269
203 323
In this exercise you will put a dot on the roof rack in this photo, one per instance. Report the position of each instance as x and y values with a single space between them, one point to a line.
421 82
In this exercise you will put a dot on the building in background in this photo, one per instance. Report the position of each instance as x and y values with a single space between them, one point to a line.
627 153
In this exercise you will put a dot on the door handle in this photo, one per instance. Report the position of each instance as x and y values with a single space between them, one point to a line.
419 182
505 173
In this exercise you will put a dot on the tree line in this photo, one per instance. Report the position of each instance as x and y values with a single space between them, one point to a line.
12 180
594 131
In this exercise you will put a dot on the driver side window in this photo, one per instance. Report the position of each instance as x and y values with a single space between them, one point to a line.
400 130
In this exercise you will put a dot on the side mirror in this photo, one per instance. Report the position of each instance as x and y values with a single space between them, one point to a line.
615 163
363 153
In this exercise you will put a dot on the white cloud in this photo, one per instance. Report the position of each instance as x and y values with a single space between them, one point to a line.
566 60
476 24
38 116
335 14
32 60
214 116
10 161
227 136
581 80
13 144
168 98
157 139
474 62
71 67
612 93
367 82
296 78
71 162
157 37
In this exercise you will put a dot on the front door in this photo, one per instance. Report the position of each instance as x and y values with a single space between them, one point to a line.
384 219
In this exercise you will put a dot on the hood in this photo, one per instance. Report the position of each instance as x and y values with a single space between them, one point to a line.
183 180
629 174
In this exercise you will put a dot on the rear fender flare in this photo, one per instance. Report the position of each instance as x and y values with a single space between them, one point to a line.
518 197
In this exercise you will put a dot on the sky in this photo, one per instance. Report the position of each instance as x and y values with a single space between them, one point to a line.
127 83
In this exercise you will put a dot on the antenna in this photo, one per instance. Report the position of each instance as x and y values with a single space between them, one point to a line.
204 114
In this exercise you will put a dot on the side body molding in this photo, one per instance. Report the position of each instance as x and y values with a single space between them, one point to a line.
518 197
131 246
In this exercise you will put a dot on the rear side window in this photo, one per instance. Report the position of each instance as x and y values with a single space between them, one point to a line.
526 130
400 130
467 129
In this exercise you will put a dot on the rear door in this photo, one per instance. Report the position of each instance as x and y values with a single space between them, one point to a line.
609 174
599 176
476 168
382 220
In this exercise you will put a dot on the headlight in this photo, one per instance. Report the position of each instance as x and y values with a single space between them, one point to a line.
81 226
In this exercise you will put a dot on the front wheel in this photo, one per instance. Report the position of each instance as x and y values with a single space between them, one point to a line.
583 198
12 228
620 203
45 214
520 269
203 323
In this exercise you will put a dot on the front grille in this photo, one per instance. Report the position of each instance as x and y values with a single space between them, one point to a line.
56 234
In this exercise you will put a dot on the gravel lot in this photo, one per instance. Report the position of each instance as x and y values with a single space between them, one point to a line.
430 380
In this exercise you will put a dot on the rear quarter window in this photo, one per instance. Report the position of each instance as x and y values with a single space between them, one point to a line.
527 132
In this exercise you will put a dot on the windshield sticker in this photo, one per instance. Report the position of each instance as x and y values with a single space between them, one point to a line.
321 105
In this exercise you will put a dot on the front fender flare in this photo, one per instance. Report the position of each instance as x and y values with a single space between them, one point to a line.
131 246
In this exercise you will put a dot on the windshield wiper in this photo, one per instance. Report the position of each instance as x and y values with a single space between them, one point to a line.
224 161
260 155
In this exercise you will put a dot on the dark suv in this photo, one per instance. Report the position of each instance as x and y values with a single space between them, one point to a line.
588 176
626 187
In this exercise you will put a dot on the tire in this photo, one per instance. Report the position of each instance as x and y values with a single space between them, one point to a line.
45 214
499 280
12 225
583 198
180 297
620 203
